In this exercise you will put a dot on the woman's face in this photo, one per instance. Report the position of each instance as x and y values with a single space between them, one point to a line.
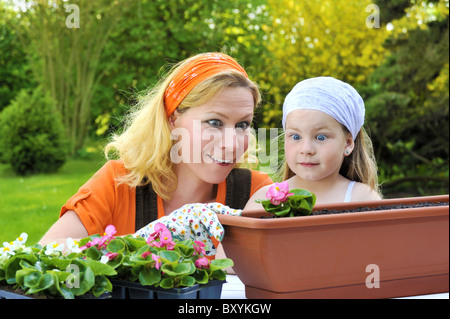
212 137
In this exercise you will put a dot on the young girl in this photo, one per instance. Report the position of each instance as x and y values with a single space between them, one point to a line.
201 103
327 150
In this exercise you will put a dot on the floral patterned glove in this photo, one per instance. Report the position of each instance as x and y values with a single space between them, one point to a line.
197 222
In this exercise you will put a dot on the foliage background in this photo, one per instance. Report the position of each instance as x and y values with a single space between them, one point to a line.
122 47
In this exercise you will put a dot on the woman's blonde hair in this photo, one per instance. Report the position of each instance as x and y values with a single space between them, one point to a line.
145 145
359 166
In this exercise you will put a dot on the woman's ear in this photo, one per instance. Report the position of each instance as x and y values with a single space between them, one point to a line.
172 118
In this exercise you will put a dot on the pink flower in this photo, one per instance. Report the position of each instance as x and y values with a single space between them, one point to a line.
111 256
278 193
157 260
165 240
145 254
199 248
164 235
107 236
93 242
202 263
107 257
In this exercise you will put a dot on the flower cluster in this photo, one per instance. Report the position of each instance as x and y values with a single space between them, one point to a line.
10 248
55 269
101 244
284 202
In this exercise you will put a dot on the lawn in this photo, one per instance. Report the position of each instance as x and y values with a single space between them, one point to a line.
32 204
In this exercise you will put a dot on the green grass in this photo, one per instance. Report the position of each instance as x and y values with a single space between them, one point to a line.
32 204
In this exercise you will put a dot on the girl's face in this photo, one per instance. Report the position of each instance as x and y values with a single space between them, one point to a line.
315 144
212 137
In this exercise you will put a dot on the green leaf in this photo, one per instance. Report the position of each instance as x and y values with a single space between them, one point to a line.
93 253
99 268
56 262
219 275
28 277
201 276
84 278
221 263
134 243
45 281
116 246
167 283
187 281
184 251
184 268
102 284
149 277
13 265
169 256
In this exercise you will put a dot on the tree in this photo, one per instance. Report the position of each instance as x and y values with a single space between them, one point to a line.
15 73
315 38
65 42
407 102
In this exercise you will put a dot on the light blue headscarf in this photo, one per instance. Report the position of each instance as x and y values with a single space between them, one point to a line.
331 96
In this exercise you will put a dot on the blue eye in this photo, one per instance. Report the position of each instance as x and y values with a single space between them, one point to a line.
215 123
295 137
321 137
243 125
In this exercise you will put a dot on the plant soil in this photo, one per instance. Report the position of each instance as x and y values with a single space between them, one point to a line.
19 291
386 207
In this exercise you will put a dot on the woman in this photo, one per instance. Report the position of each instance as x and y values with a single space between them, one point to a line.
182 145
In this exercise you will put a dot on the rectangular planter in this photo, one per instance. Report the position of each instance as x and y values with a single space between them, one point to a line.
134 290
406 251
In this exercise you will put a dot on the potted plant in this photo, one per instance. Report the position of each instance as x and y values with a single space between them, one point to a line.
395 247
126 267
160 267
47 271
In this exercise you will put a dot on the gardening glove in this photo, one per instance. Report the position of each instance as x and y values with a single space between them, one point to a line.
194 221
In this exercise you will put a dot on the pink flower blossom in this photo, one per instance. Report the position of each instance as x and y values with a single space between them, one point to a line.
157 260
199 248
164 235
145 254
202 263
278 193
111 256
91 243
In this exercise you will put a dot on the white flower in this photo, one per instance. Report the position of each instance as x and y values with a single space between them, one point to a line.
21 240
104 259
8 248
53 248
72 246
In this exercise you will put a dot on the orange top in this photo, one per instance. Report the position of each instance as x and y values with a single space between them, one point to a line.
103 201
197 70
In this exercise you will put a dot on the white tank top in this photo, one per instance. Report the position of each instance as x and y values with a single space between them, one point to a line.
348 194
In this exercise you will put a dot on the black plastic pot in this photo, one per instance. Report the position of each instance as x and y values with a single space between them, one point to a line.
12 295
134 290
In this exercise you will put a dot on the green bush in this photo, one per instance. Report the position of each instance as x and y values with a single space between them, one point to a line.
32 137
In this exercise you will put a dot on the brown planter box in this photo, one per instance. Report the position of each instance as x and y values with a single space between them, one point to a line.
326 256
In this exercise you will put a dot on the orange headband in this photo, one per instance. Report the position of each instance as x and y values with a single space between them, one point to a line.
195 72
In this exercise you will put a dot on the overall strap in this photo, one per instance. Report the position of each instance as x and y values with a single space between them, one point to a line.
239 183
238 193
146 206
